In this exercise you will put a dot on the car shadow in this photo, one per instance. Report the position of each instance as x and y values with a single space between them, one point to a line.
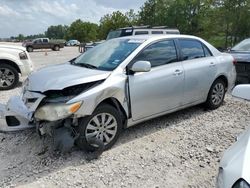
31 158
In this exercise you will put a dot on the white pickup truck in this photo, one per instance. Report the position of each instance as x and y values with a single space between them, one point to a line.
14 60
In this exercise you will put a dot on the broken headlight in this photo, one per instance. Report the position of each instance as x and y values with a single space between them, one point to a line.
56 111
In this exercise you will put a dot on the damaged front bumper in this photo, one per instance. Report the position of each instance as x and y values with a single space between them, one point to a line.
15 116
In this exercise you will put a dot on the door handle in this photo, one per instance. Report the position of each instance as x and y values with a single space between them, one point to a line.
212 64
178 72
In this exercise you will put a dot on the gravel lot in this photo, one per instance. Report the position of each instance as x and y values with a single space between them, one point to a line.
182 149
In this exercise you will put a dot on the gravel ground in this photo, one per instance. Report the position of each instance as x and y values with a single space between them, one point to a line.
182 149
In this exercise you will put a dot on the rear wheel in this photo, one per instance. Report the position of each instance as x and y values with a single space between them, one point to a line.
104 124
8 77
216 94
56 48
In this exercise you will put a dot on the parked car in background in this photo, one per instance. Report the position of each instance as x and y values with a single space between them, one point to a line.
241 53
72 43
89 45
234 168
43 43
130 31
118 84
141 30
14 60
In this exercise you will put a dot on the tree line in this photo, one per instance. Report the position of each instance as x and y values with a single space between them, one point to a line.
221 22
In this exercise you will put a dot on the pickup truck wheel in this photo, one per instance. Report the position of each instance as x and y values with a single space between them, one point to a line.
29 49
216 94
104 125
56 48
8 77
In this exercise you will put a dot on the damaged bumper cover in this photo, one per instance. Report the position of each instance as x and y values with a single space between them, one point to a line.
16 115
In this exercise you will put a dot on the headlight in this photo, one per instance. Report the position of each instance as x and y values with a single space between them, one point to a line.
23 56
54 112
241 184
219 181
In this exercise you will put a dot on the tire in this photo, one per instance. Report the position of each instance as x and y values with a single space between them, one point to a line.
216 94
29 49
9 77
56 48
89 125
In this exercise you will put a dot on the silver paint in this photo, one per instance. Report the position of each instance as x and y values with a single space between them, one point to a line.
160 91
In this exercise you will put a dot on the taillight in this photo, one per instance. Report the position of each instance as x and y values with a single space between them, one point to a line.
234 61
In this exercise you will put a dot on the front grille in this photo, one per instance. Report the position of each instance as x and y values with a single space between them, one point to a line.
240 68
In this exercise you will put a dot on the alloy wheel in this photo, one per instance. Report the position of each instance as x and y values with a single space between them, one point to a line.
102 126
7 77
218 93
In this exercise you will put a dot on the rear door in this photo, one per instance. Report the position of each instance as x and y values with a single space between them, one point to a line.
45 43
161 89
199 67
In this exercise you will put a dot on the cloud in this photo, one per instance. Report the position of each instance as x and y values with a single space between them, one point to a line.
33 16
121 4
7 11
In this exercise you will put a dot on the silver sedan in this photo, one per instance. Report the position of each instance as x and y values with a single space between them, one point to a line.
120 83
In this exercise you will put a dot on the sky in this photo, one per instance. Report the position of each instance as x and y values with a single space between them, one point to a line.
35 16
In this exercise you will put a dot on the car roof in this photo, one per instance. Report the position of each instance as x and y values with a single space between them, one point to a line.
159 36
152 38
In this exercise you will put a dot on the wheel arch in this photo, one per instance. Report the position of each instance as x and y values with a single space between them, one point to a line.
116 104
11 63
224 78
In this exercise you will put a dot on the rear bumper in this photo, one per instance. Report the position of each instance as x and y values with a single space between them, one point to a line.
14 116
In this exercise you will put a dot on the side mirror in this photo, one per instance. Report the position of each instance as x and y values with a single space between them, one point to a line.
242 91
141 66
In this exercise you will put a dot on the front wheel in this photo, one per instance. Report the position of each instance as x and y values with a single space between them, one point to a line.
29 49
8 77
104 124
216 94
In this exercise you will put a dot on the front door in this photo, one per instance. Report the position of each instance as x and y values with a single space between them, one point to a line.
161 89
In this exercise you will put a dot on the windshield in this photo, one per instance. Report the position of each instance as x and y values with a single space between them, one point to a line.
242 46
108 55
114 34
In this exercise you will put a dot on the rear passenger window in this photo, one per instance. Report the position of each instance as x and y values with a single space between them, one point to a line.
159 53
45 40
191 49
207 51
157 32
141 32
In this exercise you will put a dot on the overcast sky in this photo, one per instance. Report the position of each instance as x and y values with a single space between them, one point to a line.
34 16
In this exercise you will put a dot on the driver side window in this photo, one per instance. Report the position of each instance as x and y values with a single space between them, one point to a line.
159 53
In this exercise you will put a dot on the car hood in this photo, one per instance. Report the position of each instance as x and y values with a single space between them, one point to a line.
236 160
15 47
61 76
241 56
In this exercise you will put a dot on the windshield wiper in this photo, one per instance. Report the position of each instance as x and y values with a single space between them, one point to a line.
86 65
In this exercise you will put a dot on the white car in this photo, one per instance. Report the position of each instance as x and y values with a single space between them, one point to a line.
14 60
234 168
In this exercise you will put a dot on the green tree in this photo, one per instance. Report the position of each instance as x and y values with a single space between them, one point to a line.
20 37
116 20
56 32
82 31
